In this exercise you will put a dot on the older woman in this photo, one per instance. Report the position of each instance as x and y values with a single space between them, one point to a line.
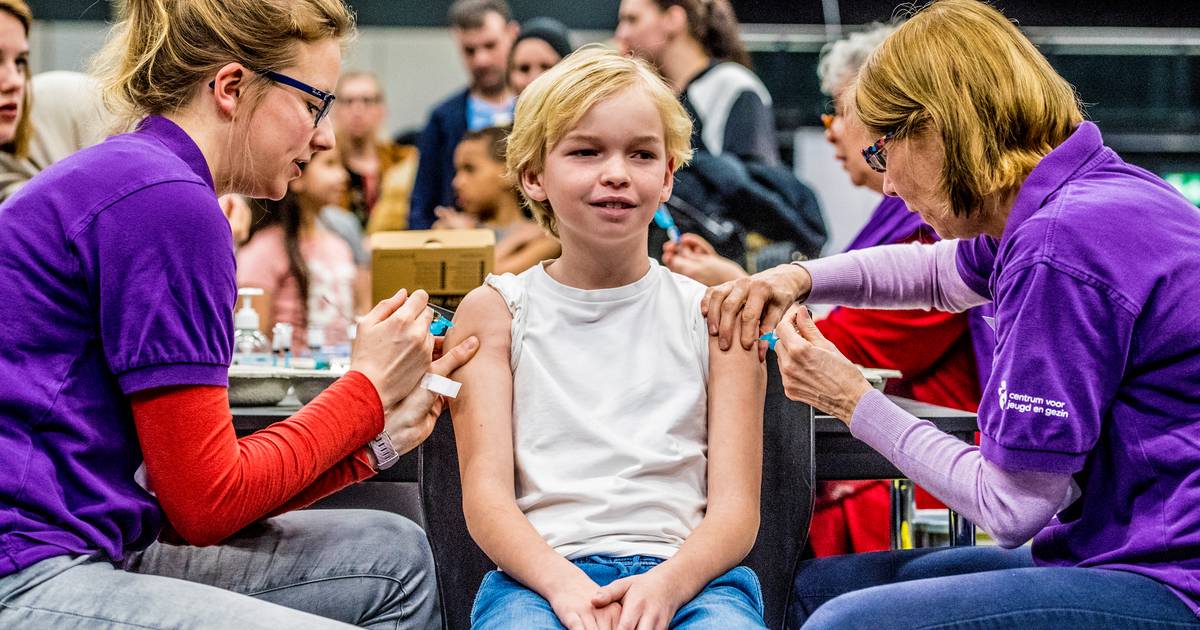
1090 418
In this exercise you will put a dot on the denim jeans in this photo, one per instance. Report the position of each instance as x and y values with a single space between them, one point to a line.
976 587
309 569
733 600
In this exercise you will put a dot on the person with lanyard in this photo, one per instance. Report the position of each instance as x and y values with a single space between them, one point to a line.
1089 420
697 47
484 32
128 501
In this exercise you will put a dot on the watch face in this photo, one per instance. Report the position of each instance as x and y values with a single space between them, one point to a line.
385 453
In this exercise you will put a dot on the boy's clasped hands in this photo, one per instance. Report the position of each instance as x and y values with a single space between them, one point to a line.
639 602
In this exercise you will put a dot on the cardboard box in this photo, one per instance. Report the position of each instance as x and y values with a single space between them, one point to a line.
447 264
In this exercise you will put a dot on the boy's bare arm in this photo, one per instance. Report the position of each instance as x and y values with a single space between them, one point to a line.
736 390
482 416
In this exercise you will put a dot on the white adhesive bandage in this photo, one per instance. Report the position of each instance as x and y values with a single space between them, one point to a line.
440 385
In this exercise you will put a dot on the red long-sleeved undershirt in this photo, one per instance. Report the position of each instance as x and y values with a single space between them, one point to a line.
211 483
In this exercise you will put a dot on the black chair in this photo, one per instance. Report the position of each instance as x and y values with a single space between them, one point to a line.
786 509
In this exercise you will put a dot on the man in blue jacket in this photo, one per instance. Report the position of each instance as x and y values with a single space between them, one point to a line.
484 32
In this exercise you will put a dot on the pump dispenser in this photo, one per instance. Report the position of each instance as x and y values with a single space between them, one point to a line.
249 344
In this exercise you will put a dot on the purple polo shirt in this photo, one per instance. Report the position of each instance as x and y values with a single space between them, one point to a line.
1097 364
116 275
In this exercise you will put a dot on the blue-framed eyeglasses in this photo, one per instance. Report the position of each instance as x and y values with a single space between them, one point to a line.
326 98
876 154
319 112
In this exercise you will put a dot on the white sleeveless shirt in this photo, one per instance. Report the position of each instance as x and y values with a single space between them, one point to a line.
610 406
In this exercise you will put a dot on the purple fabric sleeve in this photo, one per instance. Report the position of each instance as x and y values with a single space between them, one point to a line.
911 275
1011 506
166 312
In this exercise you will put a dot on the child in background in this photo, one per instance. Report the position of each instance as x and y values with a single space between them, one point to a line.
611 453
489 199
306 271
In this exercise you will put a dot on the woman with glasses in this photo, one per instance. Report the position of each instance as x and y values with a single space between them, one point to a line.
943 356
127 500
1090 418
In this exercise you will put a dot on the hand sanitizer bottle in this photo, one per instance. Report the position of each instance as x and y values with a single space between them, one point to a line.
249 345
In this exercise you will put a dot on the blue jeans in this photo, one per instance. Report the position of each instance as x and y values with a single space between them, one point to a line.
311 569
733 600
976 587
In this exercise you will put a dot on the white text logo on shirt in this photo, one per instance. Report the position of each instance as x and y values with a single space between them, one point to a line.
1025 403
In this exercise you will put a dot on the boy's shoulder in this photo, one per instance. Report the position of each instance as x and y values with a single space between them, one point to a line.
681 283
482 301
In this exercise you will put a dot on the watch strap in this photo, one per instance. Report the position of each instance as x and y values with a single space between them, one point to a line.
385 454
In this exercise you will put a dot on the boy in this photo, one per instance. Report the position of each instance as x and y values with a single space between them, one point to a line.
611 454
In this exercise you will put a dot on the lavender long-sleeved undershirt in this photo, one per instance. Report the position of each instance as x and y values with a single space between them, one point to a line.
1009 505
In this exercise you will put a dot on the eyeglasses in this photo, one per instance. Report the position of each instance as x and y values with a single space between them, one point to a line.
827 120
876 154
319 112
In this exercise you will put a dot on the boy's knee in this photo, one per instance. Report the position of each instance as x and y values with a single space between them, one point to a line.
502 603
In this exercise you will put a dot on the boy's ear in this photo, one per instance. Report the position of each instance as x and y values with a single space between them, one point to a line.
668 181
531 183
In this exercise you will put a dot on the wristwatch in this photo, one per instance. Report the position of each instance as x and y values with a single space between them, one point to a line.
385 454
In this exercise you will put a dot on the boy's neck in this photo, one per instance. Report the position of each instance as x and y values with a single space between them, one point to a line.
600 266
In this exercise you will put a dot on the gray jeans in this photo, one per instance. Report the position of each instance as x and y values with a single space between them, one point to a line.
308 569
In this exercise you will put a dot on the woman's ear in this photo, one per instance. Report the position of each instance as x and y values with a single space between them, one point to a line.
228 87
531 183
668 181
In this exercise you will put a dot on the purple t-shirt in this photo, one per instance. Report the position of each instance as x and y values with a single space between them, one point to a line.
1097 364
117 275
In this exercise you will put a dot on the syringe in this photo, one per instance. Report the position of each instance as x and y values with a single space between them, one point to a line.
664 220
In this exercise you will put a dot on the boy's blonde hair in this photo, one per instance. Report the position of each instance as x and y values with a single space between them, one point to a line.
553 104
960 69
